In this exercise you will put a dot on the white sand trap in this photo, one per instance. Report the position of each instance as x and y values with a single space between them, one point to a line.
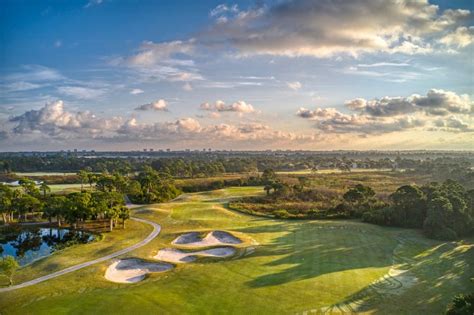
212 238
178 256
133 270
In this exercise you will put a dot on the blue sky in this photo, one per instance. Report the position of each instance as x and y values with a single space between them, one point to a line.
110 74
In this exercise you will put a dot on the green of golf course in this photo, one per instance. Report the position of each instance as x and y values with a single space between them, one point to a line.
283 266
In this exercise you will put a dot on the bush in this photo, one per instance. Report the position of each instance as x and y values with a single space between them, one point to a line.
445 234
281 214
462 304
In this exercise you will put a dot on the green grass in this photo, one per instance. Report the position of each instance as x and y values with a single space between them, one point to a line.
298 266
67 188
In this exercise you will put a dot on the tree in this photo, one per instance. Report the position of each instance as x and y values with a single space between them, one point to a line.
55 207
29 186
123 214
462 304
359 198
84 176
409 205
77 208
44 188
6 200
269 176
267 189
91 179
8 267
26 204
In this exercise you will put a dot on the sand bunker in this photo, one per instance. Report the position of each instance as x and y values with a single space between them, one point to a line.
178 256
212 238
133 270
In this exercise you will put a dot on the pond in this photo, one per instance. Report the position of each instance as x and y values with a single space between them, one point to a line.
28 244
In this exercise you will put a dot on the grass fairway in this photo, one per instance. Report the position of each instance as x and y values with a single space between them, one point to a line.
298 266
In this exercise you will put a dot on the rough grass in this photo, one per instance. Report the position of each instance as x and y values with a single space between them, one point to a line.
299 266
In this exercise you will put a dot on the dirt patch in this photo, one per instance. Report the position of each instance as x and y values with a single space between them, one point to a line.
133 270
178 256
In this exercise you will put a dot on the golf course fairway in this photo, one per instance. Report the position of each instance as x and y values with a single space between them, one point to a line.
282 267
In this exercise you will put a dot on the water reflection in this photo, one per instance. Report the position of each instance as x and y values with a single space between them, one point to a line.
32 243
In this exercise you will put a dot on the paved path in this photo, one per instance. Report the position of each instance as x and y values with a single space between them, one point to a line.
148 239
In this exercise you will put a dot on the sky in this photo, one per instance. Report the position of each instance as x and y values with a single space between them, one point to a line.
243 75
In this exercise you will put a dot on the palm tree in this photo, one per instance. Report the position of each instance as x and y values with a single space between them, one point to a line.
84 175
91 179
44 188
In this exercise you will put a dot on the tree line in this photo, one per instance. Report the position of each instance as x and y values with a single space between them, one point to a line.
443 211
76 208
102 196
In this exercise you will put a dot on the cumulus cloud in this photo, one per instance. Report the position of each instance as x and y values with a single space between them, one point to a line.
390 114
159 105
435 102
54 120
332 120
325 28
220 106
462 37
455 124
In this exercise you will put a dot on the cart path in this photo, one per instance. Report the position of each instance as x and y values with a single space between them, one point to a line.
148 239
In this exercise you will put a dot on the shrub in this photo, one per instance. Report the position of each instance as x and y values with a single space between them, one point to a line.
462 304
281 214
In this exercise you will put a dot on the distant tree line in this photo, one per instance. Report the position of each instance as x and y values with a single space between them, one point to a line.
458 168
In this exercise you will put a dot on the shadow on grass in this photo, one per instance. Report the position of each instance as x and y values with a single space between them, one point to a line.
305 250
439 271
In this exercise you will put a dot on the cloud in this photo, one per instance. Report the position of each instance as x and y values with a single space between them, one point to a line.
384 64
151 53
35 73
453 124
460 38
327 28
332 120
54 120
187 87
167 61
435 102
92 3
220 106
294 85
21 86
223 8
136 91
159 105
80 92
390 114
